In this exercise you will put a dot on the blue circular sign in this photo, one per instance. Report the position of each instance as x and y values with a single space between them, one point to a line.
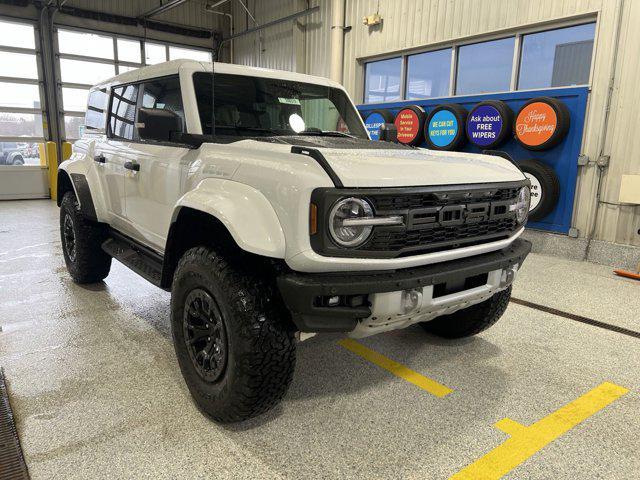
373 123
484 125
443 128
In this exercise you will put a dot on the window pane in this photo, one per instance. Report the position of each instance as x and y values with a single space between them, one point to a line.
485 67
19 65
88 44
557 58
189 53
382 80
20 153
73 127
97 105
79 71
17 35
154 53
74 99
428 74
164 94
18 95
250 106
20 124
129 50
123 112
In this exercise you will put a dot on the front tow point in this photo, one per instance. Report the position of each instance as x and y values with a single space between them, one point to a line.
411 300
508 276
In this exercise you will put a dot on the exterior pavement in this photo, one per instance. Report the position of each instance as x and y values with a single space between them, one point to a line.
97 392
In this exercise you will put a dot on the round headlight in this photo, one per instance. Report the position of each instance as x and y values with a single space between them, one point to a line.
350 209
522 207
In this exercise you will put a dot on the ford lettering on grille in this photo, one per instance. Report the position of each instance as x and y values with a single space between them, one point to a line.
452 215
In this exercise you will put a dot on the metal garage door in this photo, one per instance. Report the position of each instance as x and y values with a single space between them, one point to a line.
23 174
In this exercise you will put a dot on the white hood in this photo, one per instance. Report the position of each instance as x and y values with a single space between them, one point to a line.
419 167
395 167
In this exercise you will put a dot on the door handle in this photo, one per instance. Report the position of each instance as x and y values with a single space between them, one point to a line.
132 166
100 158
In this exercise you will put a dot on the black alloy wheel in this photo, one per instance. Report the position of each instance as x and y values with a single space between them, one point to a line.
205 335
69 237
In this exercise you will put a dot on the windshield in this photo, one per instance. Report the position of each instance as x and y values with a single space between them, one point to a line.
251 106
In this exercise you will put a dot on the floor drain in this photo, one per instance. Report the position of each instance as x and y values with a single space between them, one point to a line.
577 318
12 465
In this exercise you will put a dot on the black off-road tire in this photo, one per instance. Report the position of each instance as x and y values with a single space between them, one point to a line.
472 320
259 360
548 191
83 254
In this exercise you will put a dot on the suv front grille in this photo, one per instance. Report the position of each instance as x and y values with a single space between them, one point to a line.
434 239
435 219
388 203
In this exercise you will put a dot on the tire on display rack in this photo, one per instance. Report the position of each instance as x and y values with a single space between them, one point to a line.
545 188
374 119
542 123
489 124
410 124
445 127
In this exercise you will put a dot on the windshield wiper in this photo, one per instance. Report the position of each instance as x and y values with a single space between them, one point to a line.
326 133
249 129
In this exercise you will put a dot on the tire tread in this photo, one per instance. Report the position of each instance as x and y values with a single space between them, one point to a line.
265 366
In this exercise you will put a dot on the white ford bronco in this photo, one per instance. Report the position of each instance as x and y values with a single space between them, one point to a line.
259 201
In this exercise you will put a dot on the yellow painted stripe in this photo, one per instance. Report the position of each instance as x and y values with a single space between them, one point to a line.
526 441
396 368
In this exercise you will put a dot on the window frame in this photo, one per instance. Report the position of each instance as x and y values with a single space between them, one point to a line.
140 84
514 60
518 33
402 79
108 130
39 82
405 71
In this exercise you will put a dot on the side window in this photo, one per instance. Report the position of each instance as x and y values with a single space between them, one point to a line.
164 94
96 109
123 112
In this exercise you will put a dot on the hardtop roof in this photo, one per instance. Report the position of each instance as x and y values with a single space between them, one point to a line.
175 67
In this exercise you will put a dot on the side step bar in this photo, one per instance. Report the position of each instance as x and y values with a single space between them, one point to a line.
142 260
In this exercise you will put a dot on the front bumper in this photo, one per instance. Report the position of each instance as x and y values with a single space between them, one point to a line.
303 292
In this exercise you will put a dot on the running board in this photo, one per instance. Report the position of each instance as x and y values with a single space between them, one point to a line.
138 258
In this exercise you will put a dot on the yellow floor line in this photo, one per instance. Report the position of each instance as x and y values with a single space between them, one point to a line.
526 441
396 368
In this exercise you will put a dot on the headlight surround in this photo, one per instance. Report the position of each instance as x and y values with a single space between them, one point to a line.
522 205
350 208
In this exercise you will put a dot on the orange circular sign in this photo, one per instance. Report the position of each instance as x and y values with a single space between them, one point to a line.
536 124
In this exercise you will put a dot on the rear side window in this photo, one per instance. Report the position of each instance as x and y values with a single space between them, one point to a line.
96 110
123 112
164 94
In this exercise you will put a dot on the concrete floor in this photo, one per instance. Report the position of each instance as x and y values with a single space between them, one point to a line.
97 392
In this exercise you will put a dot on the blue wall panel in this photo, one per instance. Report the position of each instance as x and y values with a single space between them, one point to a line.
563 158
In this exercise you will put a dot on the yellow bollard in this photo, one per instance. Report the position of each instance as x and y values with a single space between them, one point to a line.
52 161
43 155
66 151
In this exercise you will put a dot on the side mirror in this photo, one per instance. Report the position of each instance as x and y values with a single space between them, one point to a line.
389 132
158 124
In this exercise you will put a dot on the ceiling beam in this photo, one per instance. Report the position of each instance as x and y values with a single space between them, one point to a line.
162 8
